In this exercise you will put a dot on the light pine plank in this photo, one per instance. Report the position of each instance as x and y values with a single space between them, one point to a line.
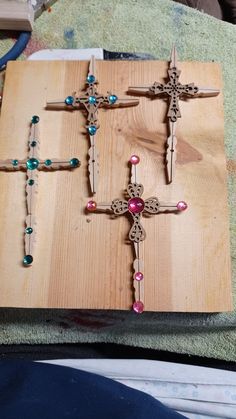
84 260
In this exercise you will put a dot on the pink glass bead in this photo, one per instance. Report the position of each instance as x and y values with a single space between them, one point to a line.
134 159
138 276
91 206
138 307
135 205
182 206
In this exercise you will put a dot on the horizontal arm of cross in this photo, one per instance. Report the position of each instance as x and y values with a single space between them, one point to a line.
33 163
104 206
13 164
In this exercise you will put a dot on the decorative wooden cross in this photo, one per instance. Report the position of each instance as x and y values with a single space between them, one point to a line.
91 101
135 206
175 90
31 165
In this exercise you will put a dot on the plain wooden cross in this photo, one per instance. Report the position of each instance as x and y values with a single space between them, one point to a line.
175 90
91 100
135 206
31 165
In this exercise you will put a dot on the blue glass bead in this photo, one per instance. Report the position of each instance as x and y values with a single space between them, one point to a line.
91 79
35 119
113 99
74 162
15 162
29 230
31 182
33 143
92 130
28 259
48 162
92 100
69 100
32 163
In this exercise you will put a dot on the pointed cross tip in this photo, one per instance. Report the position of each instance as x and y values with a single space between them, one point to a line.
169 172
92 65
174 57
92 59
207 91
169 177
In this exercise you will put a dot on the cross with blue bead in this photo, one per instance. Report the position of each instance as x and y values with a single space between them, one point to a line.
91 100
31 165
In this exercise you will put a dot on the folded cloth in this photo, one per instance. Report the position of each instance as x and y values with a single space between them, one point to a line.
197 392
31 390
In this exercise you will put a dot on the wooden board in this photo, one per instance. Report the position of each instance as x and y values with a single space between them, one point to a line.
84 260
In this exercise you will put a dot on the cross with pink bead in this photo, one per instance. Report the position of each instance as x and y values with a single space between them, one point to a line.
135 206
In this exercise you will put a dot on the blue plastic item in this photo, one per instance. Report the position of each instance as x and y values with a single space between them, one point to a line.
16 50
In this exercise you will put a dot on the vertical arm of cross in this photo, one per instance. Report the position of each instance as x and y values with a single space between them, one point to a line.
138 264
31 190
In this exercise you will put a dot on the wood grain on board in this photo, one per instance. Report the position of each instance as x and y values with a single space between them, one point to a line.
85 260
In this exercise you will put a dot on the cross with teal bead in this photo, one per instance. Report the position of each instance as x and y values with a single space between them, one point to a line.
91 101
135 206
175 91
31 165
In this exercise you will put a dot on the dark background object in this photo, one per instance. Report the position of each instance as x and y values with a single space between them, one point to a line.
221 9
31 390
105 350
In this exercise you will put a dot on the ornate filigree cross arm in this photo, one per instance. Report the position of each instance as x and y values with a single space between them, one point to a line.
174 90
31 165
135 206
91 100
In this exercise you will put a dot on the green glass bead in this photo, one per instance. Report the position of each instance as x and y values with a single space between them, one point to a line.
32 163
29 230
28 259
31 182
33 143
35 119
48 162
15 162
74 162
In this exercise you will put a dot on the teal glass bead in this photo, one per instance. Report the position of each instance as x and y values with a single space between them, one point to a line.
33 143
15 162
112 99
92 100
74 162
29 230
91 79
92 129
35 119
48 162
28 259
32 163
31 182
69 100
